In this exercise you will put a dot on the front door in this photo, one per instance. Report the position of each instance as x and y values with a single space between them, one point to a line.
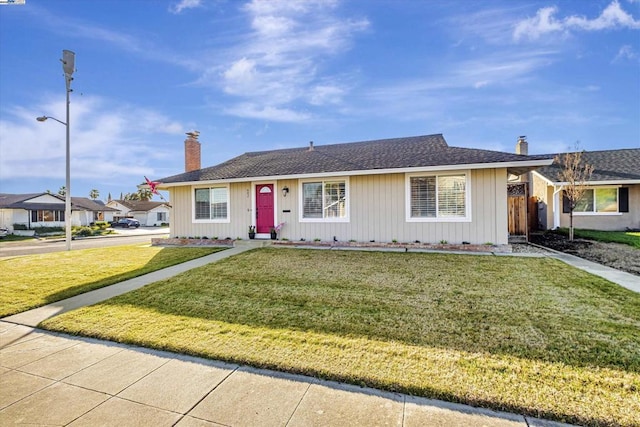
264 208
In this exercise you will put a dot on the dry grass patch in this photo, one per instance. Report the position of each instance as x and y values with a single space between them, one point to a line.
528 335
35 280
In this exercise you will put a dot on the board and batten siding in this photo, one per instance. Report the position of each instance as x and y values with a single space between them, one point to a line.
376 212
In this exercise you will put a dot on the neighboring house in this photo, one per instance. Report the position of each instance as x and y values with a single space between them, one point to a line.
47 210
611 202
404 189
147 212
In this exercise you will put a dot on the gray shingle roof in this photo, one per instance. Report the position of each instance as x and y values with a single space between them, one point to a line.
19 201
609 165
140 205
396 153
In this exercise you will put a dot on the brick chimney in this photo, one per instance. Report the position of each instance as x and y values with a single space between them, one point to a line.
192 152
522 147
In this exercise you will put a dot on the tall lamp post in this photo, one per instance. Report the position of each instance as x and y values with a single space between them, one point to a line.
68 66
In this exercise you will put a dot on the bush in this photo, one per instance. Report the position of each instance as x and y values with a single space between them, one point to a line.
20 227
82 231
46 230
102 225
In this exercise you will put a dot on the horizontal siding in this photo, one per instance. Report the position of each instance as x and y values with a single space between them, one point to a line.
377 212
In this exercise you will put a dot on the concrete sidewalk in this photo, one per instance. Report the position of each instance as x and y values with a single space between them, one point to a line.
55 379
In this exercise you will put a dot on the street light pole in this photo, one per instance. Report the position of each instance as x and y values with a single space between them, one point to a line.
68 66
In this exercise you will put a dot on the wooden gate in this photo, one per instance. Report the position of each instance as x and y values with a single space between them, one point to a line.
517 209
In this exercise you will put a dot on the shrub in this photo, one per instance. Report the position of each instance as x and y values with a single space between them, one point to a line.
45 230
20 227
82 231
102 225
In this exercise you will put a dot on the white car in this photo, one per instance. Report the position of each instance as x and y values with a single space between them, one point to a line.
3 232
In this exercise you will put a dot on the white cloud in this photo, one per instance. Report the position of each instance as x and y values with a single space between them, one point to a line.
277 64
267 112
184 4
612 17
106 142
626 52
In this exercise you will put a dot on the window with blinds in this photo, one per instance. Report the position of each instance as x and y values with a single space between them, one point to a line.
211 203
438 196
324 200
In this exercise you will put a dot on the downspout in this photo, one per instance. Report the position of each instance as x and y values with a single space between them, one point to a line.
556 206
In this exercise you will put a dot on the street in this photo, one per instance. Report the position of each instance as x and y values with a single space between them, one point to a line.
140 235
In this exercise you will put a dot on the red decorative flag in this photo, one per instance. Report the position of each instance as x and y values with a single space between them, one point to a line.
152 185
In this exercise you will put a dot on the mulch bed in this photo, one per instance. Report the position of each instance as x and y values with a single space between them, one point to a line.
614 255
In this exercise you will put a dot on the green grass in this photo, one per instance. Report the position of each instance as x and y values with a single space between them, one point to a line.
14 238
631 238
529 335
32 281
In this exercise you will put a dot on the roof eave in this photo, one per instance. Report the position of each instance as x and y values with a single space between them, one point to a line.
526 165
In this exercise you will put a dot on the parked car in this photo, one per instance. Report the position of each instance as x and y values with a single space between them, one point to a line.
126 223
3 232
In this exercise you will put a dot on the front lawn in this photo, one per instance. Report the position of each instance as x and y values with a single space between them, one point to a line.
631 238
529 335
35 280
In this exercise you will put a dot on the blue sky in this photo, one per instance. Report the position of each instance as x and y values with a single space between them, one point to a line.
260 75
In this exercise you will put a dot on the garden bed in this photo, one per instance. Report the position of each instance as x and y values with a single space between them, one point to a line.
398 246
615 255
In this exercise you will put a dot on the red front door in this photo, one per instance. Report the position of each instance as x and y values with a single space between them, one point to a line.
264 208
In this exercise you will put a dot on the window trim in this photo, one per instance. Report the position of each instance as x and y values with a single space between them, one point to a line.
58 215
467 176
596 213
210 221
323 180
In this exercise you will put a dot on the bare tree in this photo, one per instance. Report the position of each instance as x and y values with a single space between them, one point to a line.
574 173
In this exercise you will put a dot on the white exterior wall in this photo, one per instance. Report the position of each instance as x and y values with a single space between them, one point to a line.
123 211
377 207
151 219
8 217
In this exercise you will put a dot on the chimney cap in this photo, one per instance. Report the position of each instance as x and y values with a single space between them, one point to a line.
310 145
522 137
193 134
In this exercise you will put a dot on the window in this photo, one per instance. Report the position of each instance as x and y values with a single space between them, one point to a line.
324 200
47 216
211 203
437 197
161 217
598 200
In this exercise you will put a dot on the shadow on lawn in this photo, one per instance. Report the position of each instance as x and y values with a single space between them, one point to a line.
452 319
167 257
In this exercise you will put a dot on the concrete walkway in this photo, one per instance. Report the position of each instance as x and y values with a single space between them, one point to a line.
50 378
622 278
37 315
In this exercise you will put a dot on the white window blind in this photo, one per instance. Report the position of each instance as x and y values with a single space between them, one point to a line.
211 203
324 200
438 196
